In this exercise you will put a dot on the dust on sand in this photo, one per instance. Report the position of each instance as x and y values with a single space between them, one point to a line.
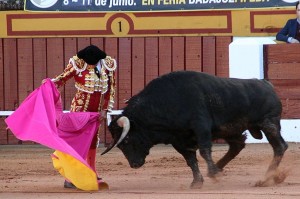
26 171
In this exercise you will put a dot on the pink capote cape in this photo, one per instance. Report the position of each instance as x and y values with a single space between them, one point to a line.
40 119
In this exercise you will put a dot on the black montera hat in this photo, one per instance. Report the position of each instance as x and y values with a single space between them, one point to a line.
91 54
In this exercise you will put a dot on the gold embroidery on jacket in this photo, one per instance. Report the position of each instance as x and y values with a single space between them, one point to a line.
87 102
92 83
89 82
109 63
78 102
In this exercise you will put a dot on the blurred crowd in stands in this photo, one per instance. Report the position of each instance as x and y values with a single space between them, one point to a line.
11 5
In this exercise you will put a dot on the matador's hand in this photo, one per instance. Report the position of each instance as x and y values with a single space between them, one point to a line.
43 81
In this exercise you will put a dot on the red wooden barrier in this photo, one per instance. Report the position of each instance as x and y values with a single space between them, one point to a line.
282 68
24 63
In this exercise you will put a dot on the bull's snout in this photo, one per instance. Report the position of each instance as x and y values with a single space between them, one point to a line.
137 164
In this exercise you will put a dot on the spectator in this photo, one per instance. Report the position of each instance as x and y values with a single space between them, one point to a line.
290 33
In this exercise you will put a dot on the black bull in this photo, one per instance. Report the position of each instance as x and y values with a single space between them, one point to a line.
189 109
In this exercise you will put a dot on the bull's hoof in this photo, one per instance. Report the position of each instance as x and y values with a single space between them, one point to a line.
196 185
273 179
215 173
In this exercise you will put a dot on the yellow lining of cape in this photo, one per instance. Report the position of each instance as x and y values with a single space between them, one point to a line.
79 174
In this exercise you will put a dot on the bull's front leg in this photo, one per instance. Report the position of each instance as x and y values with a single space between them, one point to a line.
203 134
191 160
204 138
213 170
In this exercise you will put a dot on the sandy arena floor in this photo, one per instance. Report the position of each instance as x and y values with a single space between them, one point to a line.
27 172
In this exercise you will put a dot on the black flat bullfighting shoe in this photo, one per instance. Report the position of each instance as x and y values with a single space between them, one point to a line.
69 185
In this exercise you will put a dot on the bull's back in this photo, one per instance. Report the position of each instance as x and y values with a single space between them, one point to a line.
189 93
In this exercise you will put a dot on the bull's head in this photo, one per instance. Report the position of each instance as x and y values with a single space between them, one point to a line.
129 140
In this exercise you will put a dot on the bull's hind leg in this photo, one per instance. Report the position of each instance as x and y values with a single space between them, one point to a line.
236 144
192 162
271 129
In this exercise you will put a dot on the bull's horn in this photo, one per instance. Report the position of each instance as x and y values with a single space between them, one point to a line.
122 122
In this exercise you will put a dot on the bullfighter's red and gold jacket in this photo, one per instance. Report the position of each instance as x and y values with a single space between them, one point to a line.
94 93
